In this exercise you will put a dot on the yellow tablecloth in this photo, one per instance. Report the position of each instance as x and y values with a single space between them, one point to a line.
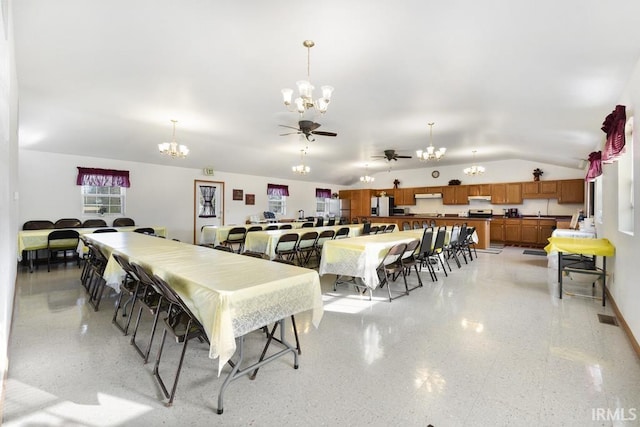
230 294
360 256
576 245
29 240
265 241
214 234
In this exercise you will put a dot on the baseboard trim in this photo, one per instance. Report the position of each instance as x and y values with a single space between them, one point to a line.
623 324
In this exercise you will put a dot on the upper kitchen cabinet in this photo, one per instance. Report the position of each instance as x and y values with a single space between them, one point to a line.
455 195
571 191
506 194
540 190
405 196
479 189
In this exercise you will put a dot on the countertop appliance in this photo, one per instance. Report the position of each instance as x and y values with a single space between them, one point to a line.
382 206
480 213
513 213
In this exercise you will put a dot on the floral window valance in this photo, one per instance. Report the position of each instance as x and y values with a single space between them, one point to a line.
613 126
277 190
324 193
595 166
103 177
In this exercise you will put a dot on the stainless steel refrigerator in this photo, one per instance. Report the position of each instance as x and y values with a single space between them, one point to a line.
382 206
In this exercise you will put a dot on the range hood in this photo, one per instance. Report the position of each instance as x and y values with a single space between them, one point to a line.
486 198
429 196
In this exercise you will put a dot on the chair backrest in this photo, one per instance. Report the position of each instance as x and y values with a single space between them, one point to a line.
271 227
410 249
69 238
105 230
38 225
287 242
343 220
455 234
374 229
390 228
381 229
470 232
307 225
393 254
307 240
145 230
68 223
236 234
417 225
319 222
354 221
224 248
324 236
425 224
406 226
366 228
427 241
286 227
331 222
254 228
145 277
462 236
342 233
91 223
124 222
440 238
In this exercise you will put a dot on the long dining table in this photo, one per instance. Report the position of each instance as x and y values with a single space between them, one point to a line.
359 257
265 242
230 294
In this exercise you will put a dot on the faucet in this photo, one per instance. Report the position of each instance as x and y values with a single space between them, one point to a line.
301 214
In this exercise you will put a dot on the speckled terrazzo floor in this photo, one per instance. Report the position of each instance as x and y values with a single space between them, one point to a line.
491 345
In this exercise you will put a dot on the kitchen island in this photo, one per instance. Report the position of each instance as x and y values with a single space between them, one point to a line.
481 224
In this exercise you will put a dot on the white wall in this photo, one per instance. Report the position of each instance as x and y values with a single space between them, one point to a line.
159 195
625 267
8 186
498 171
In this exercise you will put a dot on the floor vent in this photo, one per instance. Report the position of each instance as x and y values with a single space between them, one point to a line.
609 320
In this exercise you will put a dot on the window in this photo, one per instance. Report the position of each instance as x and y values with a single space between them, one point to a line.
103 190
102 200
321 195
277 198
320 205
277 204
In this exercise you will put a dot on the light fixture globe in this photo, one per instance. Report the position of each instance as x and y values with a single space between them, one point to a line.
173 149
430 153
301 169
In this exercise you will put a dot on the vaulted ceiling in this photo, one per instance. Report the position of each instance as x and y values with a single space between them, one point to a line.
512 80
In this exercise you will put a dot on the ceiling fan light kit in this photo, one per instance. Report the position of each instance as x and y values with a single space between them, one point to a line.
430 153
305 99
173 149
308 128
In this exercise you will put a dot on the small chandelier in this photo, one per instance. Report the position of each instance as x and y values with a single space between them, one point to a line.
301 168
431 153
305 89
172 148
474 169
366 178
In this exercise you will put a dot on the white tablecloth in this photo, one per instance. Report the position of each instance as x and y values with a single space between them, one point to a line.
360 256
552 257
230 294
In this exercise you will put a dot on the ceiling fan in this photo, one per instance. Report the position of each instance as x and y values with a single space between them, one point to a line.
391 155
307 128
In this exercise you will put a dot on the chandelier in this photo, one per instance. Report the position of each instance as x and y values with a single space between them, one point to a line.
366 178
305 100
301 168
431 153
474 169
172 148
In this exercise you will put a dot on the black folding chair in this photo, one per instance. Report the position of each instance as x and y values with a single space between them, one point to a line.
64 241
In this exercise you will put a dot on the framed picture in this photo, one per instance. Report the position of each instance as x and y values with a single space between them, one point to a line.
250 199
208 205
237 194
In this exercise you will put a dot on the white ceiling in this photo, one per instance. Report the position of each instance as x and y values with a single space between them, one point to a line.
513 80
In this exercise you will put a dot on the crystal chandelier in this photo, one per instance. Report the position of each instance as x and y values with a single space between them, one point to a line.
474 169
172 148
301 168
431 153
366 178
305 100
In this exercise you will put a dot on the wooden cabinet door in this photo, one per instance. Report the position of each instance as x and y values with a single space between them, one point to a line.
545 229
449 195
530 190
529 231
462 194
496 230
479 189
548 189
498 194
408 195
514 193
571 191
512 230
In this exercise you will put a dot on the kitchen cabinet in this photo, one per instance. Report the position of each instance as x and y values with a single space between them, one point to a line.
529 231
479 189
540 190
506 194
545 229
496 230
512 230
360 201
404 196
455 195
571 191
